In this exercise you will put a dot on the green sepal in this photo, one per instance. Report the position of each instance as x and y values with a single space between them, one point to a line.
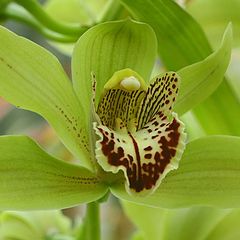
201 79
32 179
107 48
33 79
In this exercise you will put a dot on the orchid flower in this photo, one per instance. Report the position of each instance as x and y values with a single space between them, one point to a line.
122 129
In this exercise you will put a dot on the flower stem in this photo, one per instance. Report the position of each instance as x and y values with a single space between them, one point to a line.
91 227
24 17
46 20
114 11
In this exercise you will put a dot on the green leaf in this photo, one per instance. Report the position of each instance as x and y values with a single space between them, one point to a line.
181 42
32 179
215 16
209 174
201 79
220 113
3 4
33 79
107 48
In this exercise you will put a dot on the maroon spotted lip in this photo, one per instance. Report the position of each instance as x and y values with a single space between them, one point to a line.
142 176
148 139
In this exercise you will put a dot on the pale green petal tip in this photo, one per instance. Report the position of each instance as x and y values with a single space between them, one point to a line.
228 34
207 75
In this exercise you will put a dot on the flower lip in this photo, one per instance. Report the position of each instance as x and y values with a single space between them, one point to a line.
139 133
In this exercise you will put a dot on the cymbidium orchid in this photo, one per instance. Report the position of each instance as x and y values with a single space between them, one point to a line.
120 126
138 132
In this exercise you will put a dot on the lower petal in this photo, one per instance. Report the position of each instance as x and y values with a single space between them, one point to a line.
145 156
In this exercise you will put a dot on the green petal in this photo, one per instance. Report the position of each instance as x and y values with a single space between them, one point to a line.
209 174
234 72
201 79
32 78
107 48
32 179
161 96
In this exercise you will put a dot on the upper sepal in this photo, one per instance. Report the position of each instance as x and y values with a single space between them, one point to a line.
109 47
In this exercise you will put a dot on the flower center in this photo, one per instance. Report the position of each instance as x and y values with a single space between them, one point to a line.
139 133
119 105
